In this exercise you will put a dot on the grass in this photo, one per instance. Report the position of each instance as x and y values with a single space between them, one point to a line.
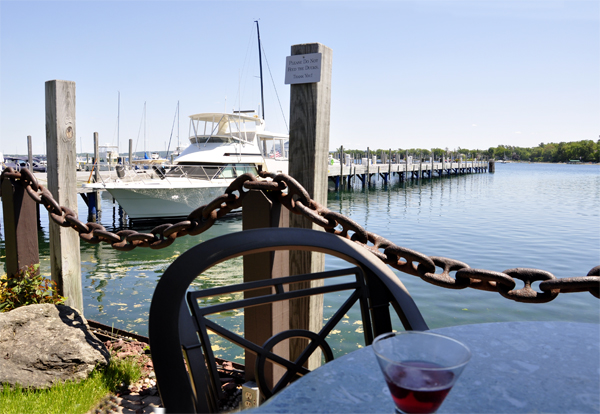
71 397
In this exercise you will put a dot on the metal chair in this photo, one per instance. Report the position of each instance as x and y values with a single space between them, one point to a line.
184 362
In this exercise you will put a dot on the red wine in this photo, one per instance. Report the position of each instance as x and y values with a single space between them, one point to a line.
418 391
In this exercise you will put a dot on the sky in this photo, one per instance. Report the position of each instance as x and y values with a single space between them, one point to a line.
406 74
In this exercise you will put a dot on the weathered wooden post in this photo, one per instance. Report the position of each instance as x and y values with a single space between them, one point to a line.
368 165
431 166
97 170
342 161
65 261
261 322
29 153
310 101
20 227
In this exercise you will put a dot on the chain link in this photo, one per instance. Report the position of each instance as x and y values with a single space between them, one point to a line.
298 201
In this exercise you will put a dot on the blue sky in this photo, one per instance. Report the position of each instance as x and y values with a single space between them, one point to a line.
470 74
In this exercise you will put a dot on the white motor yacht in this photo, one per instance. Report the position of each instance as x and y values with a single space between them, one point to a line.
222 147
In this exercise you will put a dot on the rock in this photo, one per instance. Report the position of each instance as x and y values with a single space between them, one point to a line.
44 344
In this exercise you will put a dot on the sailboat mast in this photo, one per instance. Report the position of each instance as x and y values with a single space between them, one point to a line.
262 98
145 153
118 119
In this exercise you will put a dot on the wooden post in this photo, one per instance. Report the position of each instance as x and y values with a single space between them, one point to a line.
29 153
342 165
97 170
309 148
262 322
131 153
431 167
20 227
96 159
368 165
65 261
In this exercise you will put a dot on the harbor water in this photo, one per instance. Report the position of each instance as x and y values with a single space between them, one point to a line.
543 216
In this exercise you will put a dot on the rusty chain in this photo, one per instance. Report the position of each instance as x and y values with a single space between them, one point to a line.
298 201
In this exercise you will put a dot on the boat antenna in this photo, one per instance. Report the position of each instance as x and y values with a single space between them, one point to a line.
262 98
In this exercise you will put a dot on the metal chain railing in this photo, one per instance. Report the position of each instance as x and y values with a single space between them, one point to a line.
298 201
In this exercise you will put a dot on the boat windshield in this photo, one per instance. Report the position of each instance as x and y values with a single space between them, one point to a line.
210 172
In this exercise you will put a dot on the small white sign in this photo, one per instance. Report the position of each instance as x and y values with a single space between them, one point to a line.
303 68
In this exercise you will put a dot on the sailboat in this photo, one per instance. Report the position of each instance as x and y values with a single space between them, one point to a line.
222 146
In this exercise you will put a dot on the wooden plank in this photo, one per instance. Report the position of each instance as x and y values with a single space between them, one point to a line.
65 262
309 149
262 322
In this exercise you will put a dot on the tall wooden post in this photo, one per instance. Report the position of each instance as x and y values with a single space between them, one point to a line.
29 153
97 170
262 322
309 148
65 261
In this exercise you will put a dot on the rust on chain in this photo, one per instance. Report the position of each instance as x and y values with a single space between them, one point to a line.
124 245
527 294
573 284
181 229
298 201
412 259
485 279
89 235
294 188
443 279
160 240
359 234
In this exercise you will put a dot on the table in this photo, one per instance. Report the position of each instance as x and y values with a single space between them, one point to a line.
516 367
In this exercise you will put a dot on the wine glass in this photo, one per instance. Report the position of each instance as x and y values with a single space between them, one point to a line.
420 368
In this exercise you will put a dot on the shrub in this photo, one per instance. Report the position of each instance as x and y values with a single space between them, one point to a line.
28 287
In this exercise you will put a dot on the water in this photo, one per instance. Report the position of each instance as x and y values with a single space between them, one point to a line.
543 216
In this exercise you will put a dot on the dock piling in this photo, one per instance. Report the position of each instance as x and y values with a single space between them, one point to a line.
310 105
65 260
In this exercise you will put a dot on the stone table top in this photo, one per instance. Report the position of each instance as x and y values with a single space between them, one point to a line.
516 367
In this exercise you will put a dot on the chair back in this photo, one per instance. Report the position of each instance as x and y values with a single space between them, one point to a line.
180 318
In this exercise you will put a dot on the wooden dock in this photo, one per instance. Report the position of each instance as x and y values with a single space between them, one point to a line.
343 174
81 178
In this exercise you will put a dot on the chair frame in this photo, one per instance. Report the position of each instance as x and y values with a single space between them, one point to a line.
178 326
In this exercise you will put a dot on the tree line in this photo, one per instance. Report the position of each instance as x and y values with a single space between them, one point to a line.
583 151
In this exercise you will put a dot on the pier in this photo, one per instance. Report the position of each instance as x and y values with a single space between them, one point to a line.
344 175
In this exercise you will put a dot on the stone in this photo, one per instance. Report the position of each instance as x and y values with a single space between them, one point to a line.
44 344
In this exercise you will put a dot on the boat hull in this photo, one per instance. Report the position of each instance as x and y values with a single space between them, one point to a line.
156 202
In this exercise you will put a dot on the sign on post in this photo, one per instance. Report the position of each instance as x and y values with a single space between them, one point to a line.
303 68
